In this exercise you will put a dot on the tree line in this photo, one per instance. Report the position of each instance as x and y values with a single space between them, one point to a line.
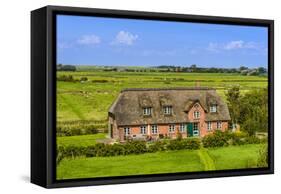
243 70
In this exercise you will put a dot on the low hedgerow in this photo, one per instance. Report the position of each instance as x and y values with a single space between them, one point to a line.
70 152
71 131
190 143
217 139
220 139
157 146
193 143
132 147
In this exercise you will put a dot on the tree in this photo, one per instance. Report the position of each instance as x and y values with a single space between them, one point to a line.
193 68
243 68
254 111
68 68
59 66
262 70
233 98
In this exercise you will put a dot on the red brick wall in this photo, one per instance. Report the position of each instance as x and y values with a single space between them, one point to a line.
162 129
205 131
202 125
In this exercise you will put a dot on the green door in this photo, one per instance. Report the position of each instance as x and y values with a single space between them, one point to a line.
189 129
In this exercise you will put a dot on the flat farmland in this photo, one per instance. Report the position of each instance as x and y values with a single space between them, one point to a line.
90 100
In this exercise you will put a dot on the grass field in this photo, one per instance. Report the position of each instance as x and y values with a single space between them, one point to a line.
80 140
90 101
161 162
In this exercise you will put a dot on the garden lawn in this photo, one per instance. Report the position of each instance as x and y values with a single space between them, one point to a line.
80 140
150 163
235 157
232 157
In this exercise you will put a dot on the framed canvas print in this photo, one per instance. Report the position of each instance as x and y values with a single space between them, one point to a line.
125 96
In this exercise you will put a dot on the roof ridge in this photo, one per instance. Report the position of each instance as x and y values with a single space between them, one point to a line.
163 89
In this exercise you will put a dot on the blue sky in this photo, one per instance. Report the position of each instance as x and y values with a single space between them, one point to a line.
83 40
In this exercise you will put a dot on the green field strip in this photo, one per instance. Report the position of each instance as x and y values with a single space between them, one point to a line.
74 109
206 159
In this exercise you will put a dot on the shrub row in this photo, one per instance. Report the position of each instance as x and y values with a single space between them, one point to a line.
76 131
132 147
70 130
219 139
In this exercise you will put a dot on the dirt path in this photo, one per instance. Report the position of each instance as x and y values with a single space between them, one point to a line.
206 159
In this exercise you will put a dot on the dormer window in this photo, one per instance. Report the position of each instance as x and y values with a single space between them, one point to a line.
196 114
213 108
167 110
147 111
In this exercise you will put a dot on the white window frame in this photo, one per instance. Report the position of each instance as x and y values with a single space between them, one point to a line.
182 127
197 125
219 124
143 129
147 111
196 114
127 131
213 108
154 129
171 128
167 110
209 125
196 131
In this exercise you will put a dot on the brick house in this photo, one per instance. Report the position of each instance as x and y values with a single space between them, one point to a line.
167 112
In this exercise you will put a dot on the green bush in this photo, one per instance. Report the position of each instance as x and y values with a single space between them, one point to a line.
252 140
66 78
237 140
83 79
192 144
157 146
179 144
175 145
217 139
134 147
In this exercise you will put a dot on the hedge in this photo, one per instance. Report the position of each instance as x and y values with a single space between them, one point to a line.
219 139
82 130
132 147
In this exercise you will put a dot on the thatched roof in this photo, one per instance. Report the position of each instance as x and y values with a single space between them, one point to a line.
128 107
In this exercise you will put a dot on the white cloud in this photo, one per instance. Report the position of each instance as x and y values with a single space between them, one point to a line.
89 40
234 45
214 47
125 38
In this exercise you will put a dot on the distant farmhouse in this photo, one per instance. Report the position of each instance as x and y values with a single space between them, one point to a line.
169 112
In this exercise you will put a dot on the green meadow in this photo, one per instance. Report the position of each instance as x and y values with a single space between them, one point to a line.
80 140
90 100
161 162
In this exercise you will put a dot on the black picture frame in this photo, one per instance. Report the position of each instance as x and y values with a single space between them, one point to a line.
43 95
